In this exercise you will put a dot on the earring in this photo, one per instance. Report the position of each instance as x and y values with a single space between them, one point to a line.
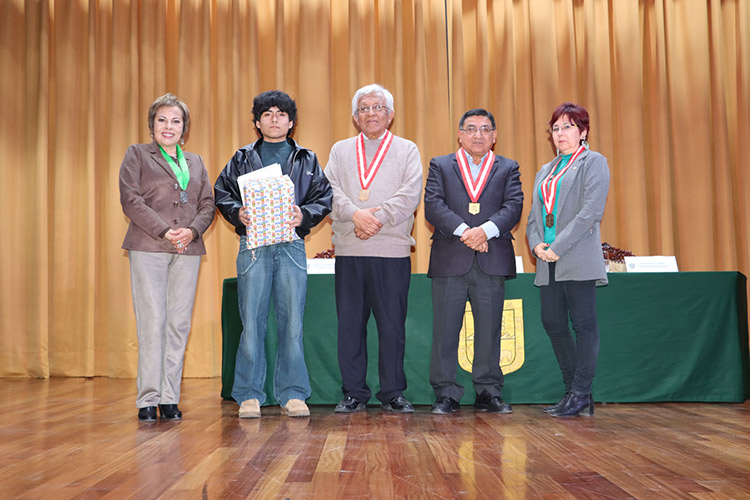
182 142
152 137
558 151
584 143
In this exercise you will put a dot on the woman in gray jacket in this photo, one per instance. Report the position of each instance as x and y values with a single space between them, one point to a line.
563 232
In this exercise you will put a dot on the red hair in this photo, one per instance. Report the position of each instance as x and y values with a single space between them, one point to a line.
575 113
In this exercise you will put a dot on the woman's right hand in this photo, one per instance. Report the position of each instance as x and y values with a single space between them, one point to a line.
542 252
539 249
180 238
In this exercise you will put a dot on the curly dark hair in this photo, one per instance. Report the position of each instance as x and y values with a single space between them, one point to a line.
267 100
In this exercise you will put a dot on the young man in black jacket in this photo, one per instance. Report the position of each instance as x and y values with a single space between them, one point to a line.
279 269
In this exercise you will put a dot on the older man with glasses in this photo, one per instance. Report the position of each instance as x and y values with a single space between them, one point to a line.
377 184
473 198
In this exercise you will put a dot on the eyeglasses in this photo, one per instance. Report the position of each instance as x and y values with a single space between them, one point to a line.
564 128
377 108
472 130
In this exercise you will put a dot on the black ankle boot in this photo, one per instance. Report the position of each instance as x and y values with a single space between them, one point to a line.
557 405
170 412
574 406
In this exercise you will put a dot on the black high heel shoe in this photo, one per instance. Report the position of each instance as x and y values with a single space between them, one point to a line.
575 406
557 405
147 414
170 412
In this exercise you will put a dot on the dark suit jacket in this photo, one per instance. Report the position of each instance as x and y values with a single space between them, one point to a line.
447 206
150 197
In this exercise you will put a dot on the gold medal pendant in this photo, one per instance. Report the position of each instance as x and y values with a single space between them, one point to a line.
364 195
550 220
473 208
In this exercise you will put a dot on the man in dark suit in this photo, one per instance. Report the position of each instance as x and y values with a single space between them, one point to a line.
473 198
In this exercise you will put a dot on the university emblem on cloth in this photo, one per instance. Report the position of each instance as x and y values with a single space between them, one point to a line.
512 354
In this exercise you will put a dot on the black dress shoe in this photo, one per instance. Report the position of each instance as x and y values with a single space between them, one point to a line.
147 413
445 405
574 406
350 404
557 405
492 404
170 412
399 404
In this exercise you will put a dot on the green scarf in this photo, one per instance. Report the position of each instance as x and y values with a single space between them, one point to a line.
181 172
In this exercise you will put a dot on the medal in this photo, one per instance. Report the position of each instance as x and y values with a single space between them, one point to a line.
183 196
367 172
474 187
549 187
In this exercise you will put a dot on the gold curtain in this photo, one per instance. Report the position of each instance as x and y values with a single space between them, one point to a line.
666 83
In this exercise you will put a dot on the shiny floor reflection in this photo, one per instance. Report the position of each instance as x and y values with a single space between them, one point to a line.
80 438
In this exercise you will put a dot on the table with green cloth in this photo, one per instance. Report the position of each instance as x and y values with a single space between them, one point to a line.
664 337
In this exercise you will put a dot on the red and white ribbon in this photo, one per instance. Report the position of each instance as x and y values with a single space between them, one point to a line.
367 172
474 186
549 184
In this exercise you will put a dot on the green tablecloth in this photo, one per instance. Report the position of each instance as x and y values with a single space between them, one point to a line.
664 337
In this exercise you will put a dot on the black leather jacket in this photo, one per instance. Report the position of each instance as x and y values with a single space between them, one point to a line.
313 194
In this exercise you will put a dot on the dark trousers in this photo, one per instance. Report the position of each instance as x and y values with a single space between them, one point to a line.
575 301
487 295
379 285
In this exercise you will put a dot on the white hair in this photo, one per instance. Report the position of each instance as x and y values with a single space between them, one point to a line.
373 88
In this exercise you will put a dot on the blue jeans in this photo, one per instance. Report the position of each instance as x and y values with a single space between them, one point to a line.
278 271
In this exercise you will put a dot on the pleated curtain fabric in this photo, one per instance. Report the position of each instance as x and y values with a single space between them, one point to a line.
666 83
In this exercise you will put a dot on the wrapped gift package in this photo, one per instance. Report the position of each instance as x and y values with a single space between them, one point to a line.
269 201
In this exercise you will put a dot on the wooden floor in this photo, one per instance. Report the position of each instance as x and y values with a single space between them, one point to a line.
80 438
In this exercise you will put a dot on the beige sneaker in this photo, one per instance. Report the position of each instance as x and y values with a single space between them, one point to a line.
295 408
250 409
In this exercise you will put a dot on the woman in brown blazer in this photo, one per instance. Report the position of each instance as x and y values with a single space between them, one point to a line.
166 194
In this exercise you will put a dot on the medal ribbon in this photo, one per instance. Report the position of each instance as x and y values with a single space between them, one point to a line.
367 173
549 185
474 187
181 172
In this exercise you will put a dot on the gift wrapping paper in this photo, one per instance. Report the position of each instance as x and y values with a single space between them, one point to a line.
269 202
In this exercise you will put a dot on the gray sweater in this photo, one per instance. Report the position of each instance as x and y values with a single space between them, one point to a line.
396 188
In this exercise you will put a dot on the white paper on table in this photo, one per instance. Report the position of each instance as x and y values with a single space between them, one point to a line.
321 266
651 264
262 173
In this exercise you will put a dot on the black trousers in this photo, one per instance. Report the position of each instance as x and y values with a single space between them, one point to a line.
565 302
487 296
379 285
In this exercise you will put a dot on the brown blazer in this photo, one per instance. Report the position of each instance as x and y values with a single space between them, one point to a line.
150 198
